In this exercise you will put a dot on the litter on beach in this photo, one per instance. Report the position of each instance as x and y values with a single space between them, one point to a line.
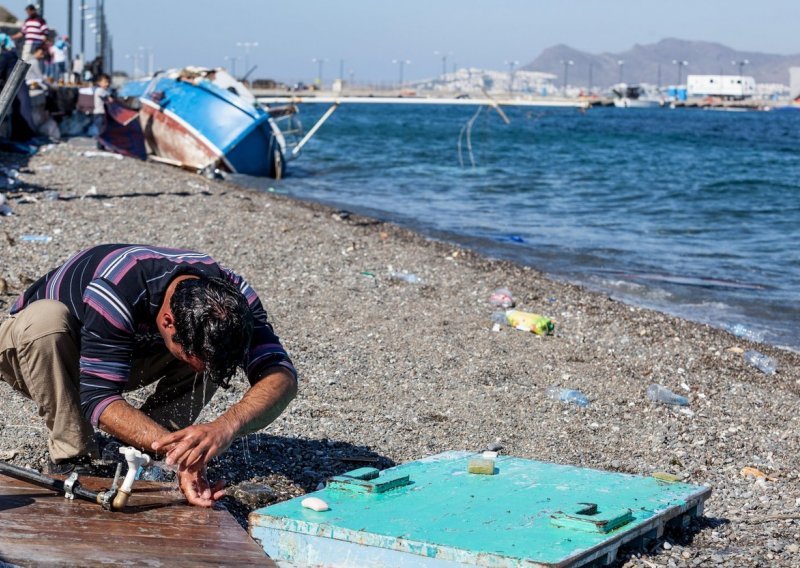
757 473
94 154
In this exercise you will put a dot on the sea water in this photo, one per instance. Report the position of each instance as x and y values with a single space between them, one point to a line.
692 212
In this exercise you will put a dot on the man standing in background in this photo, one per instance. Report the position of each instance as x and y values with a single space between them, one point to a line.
35 31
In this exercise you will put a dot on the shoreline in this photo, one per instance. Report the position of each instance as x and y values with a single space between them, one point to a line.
428 350
581 279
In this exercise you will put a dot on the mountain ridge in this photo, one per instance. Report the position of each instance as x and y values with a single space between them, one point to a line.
643 63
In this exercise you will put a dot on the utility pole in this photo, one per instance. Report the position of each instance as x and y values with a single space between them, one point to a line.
247 45
511 65
444 55
567 63
83 31
401 63
681 64
71 39
741 65
320 61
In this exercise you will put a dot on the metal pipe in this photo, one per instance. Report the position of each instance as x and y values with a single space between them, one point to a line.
9 92
317 126
45 481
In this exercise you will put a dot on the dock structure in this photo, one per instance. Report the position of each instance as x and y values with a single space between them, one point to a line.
482 101
158 528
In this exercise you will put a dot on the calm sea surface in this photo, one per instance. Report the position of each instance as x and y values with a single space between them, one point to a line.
695 213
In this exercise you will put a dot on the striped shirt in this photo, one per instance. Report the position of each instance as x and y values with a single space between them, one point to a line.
115 292
35 30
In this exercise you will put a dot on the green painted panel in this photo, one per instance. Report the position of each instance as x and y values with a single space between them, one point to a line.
529 511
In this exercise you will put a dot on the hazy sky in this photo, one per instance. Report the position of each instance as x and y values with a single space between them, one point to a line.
368 35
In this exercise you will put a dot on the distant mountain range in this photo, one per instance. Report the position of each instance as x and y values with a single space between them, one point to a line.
641 63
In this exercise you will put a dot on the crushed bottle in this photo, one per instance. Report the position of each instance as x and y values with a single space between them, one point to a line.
405 277
36 238
744 332
502 298
5 208
570 396
762 362
658 393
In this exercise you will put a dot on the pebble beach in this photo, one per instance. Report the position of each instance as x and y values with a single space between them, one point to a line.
393 371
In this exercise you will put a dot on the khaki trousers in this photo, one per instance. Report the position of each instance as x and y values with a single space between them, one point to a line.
39 357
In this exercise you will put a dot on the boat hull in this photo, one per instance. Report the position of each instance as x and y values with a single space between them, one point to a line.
201 126
636 103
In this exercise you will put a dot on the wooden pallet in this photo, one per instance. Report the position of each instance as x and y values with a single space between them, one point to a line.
39 527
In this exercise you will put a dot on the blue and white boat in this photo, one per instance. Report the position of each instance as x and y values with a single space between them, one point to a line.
204 119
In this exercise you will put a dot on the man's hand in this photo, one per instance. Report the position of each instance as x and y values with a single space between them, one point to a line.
197 490
193 447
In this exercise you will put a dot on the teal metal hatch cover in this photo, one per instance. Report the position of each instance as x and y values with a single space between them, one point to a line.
432 512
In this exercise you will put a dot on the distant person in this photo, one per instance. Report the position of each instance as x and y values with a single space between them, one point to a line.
101 95
58 56
34 30
96 67
77 67
7 45
35 76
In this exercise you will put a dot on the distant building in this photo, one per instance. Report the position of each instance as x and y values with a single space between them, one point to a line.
471 79
725 86
794 83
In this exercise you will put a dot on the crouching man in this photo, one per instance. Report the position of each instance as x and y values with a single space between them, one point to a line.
114 318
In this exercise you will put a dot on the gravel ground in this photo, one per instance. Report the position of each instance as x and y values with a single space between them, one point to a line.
392 371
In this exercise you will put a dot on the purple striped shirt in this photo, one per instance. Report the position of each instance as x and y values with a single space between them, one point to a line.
115 292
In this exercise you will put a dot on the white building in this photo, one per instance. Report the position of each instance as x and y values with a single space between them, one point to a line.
794 82
726 86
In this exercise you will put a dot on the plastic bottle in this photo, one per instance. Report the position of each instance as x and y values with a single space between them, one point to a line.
502 298
406 277
745 332
570 396
36 238
760 361
527 321
663 395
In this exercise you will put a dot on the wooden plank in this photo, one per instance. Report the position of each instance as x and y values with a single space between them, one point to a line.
39 527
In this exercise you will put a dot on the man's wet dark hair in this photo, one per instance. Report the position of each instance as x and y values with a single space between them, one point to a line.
213 322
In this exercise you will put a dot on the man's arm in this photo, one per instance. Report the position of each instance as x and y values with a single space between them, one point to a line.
193 447
134 427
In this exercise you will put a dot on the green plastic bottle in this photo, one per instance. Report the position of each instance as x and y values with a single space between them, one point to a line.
527 321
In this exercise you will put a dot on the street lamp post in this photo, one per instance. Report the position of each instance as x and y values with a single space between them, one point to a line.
620 64
741 65
566 63
444 55
320 61
231 61
401 63
681 64
70 11
247 45
511 65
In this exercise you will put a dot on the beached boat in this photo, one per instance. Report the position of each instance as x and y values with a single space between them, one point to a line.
205 119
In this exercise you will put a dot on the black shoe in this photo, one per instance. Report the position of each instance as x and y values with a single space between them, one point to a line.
77 464
82 465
